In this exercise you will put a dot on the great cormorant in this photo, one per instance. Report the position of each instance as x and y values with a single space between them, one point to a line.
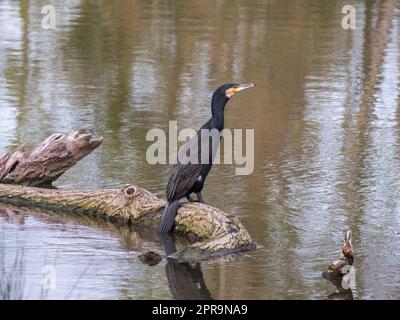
187 177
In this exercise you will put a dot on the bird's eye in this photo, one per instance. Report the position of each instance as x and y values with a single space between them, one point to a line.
230 92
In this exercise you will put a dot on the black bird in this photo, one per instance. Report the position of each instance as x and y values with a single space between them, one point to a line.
187 177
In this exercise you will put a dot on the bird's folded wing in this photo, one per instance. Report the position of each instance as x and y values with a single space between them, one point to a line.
184 175
182 178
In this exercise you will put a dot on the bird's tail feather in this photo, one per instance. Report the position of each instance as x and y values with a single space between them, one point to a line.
168 218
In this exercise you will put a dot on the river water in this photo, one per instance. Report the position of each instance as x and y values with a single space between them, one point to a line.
325 114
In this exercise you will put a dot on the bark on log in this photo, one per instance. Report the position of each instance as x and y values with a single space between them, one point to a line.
48 161
217 232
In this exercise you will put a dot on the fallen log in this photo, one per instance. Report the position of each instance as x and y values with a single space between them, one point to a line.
216 233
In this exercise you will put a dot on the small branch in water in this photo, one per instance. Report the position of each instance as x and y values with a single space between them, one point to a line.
341 272
347 257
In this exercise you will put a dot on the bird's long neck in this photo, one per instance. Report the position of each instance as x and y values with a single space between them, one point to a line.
217 110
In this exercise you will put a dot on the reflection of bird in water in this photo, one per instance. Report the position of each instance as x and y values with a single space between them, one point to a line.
186 282
188 177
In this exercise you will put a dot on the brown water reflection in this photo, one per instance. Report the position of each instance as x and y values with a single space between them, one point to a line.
325 113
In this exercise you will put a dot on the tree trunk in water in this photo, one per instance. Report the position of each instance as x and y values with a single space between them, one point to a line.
217 233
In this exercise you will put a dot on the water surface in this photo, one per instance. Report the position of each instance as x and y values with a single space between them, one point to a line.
326 118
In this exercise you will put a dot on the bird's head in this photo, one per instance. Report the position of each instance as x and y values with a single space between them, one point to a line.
227 91
233 88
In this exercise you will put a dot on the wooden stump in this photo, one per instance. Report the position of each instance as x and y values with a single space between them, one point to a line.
48 161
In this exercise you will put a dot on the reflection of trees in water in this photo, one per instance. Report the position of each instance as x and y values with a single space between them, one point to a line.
12 280
13 276
359 148
111 48
185 280
16 275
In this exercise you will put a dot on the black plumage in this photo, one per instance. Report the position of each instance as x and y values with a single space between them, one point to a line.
196 157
